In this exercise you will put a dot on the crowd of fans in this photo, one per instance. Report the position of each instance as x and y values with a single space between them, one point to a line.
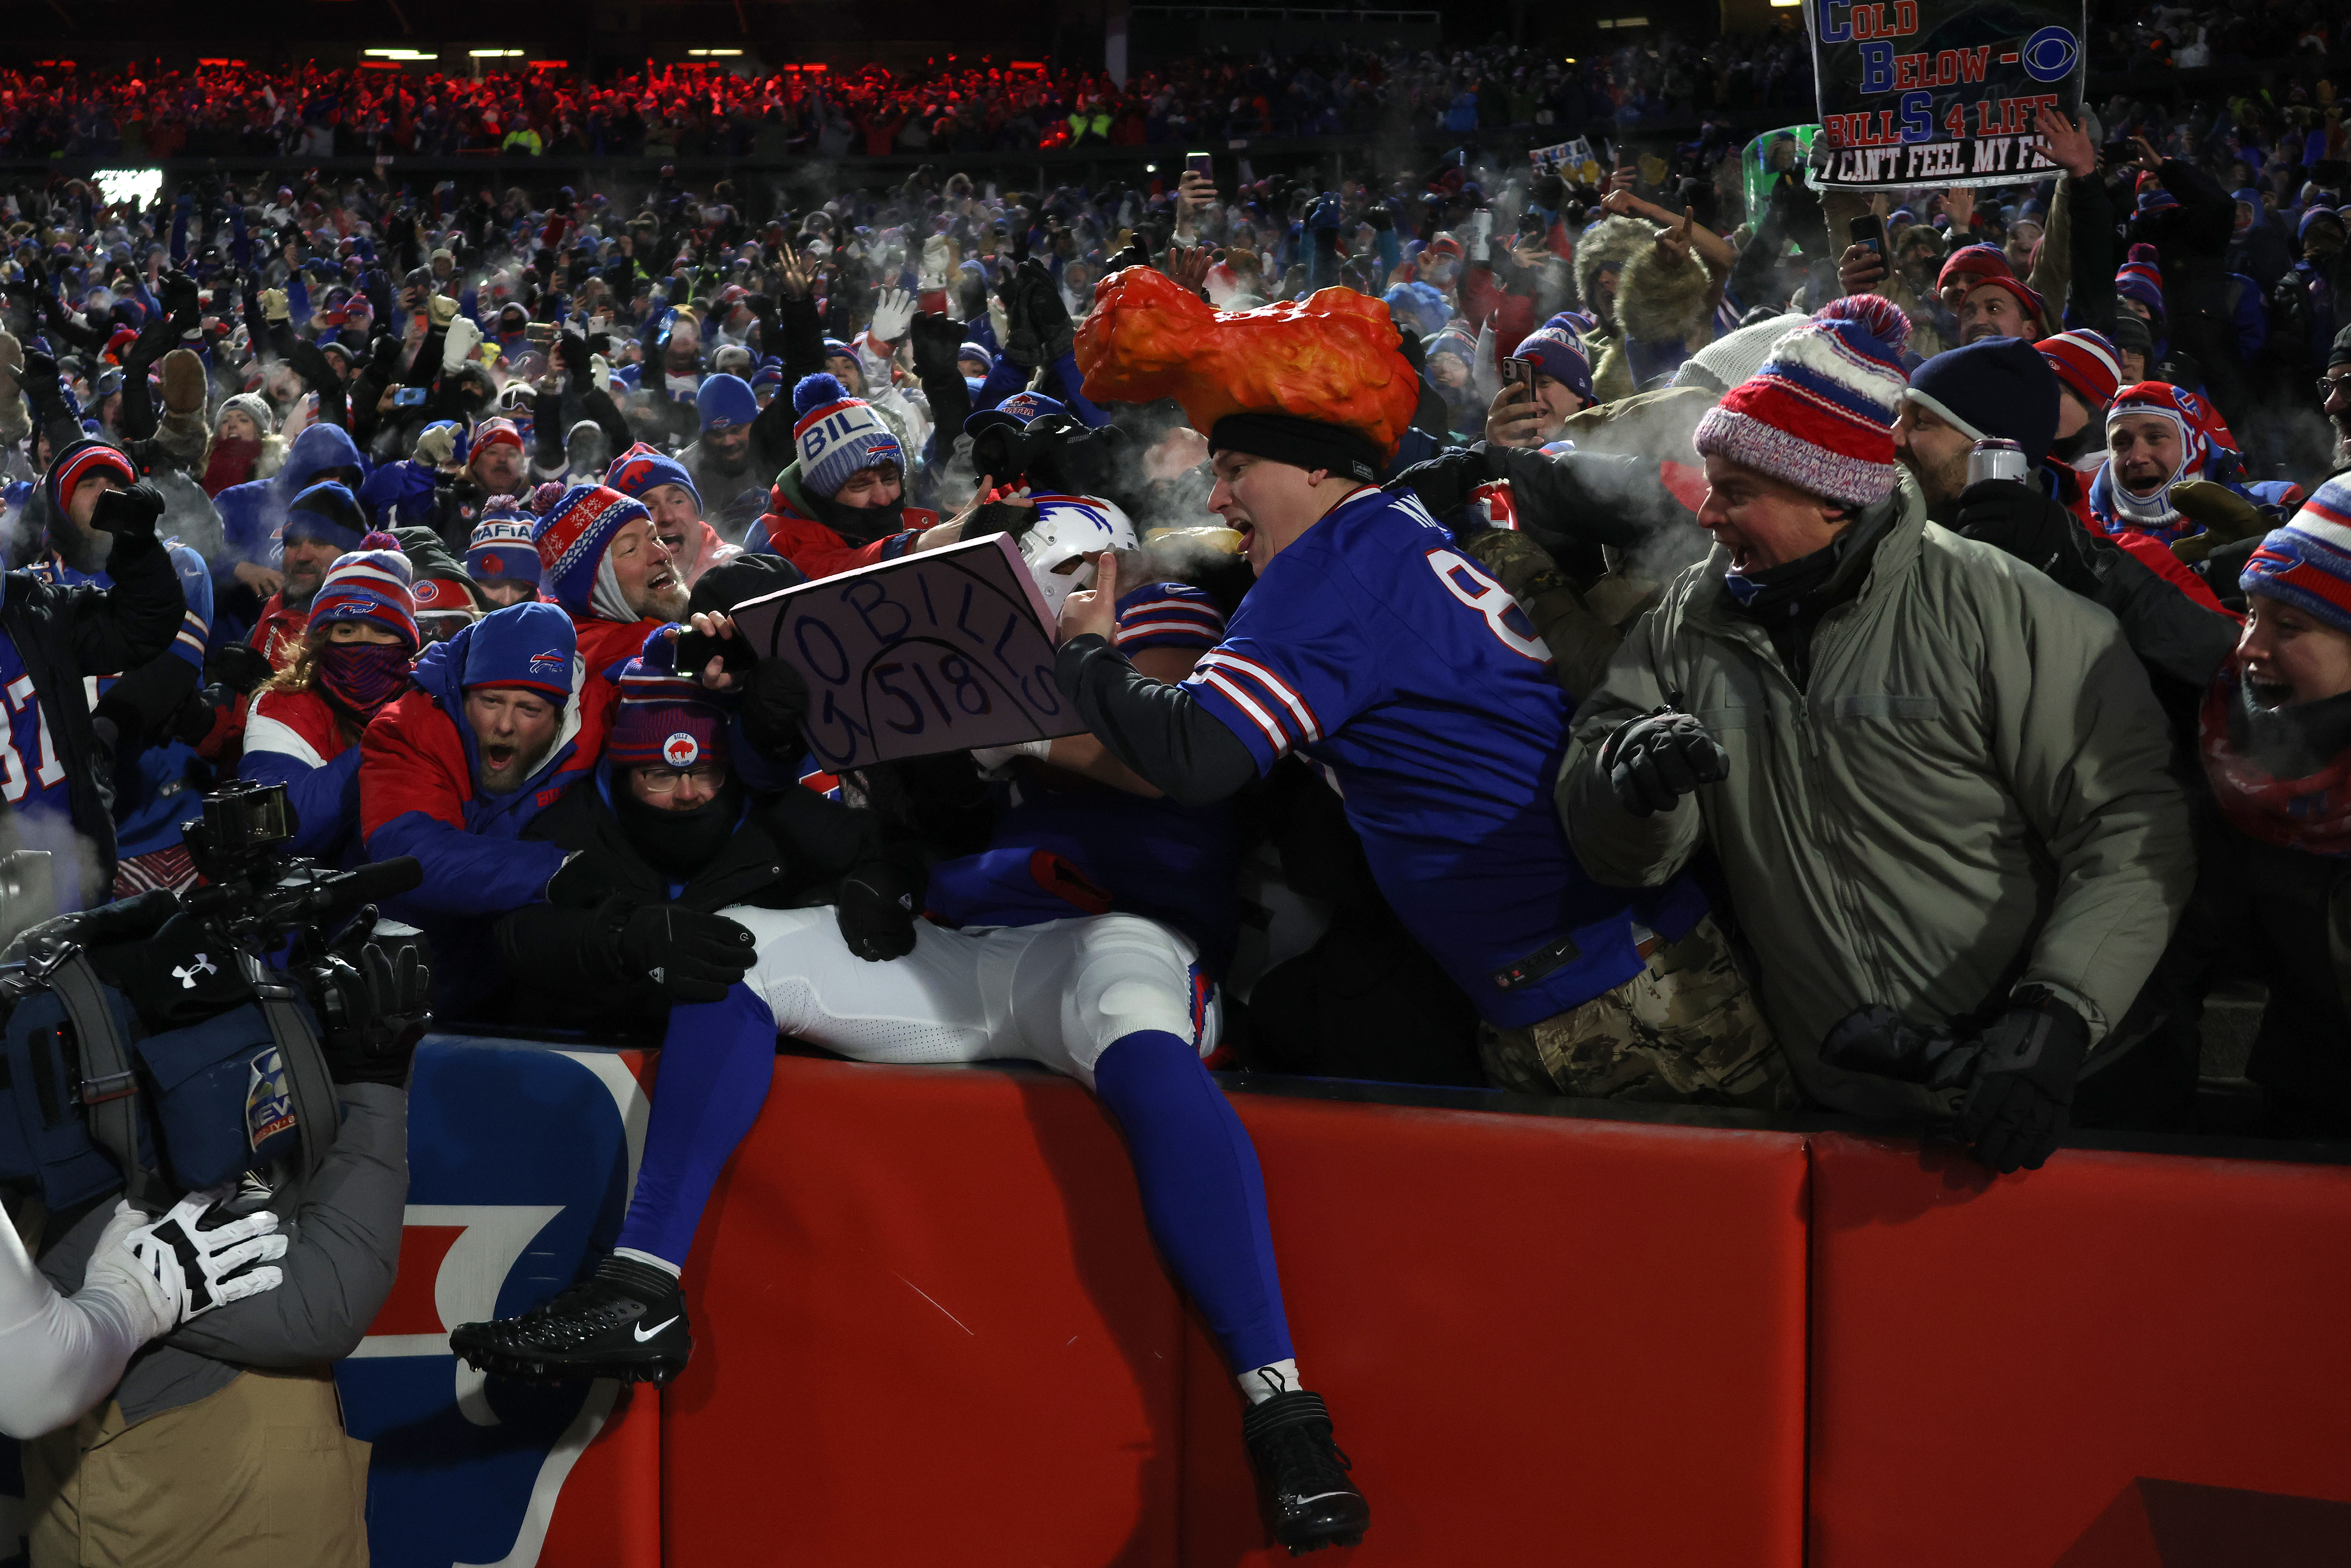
1883 653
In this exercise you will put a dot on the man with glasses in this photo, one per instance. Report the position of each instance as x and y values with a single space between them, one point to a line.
2335 398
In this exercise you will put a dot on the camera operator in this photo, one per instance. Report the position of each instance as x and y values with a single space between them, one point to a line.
224 1443
53 637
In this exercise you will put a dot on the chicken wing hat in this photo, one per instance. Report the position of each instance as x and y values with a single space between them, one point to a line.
1320 383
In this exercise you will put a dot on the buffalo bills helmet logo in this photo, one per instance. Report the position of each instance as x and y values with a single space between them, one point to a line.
552 659
681 750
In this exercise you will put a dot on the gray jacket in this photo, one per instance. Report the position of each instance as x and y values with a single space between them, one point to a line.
1970 797
342 1246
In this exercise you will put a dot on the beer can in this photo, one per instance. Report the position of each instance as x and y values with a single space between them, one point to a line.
1996 459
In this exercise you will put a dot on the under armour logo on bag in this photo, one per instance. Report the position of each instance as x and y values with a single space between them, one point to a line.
187 974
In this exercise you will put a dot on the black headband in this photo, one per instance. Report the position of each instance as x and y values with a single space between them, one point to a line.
1303 443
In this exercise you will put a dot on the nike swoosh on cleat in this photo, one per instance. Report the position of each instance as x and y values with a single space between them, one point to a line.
645 1333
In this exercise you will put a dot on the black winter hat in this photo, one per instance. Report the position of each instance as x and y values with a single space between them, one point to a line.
1999 388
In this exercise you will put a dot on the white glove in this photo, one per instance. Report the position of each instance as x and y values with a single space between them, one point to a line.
193 1271
465 337
599 372
934 262
436 446
996 761
273 305
893 312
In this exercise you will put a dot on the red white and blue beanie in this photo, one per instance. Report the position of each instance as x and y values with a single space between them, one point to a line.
839 435
371 584
2085 361
643 468
497 432
82 460
2141 278
1558 353
500 551
1971 262
664 719
2307 563
1820 413
572 540
530 645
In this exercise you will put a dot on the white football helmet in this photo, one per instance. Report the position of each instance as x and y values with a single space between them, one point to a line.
1068 532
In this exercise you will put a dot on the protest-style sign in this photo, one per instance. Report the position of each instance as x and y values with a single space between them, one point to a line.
939 651
1941 92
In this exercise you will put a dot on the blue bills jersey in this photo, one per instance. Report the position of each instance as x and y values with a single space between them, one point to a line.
1376 649
1059 852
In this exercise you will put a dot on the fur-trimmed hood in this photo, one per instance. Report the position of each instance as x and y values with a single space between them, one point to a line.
1663 297
1604 247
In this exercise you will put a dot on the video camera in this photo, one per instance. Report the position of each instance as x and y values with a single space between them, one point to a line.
172 1042
1059 454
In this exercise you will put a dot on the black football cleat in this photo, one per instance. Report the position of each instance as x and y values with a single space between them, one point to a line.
1301 1474
626 1321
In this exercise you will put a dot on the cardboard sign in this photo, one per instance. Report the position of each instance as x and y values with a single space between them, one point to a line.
1941 92
940 652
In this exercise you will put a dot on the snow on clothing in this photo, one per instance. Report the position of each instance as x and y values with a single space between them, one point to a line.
417 769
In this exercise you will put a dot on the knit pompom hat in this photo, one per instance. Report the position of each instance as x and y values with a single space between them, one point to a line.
2307 563
572 540
82 460
371 584
2141 278
1820 413
837 436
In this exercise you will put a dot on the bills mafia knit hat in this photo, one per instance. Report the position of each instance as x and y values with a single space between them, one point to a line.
572 540
642 469
371 584
664 719
2307 563
839 435
2001 387
1820 413
83 460
2086 361
500 551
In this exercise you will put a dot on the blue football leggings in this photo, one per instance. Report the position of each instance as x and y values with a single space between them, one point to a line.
1203 1195
716 1062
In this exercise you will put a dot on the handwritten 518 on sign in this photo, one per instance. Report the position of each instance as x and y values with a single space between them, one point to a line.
939 651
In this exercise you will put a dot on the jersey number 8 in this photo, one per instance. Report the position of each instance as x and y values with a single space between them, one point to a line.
1490 599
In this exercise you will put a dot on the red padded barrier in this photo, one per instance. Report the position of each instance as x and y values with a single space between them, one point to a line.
1996 1361
929 1328
609 1516
1543 1339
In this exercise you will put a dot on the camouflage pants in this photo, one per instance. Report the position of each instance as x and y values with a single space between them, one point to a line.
1686 1030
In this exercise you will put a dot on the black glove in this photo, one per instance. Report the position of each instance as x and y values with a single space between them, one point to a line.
1445 483
144 702
129 514
378 1005
572 353
692 955
1048 316
774 705
1378 215
307 360
746 577
1654 760
1876 1039
2021 521
1001 518
2024 1087
936 338
876 910
1020 344
1134 253
240 667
